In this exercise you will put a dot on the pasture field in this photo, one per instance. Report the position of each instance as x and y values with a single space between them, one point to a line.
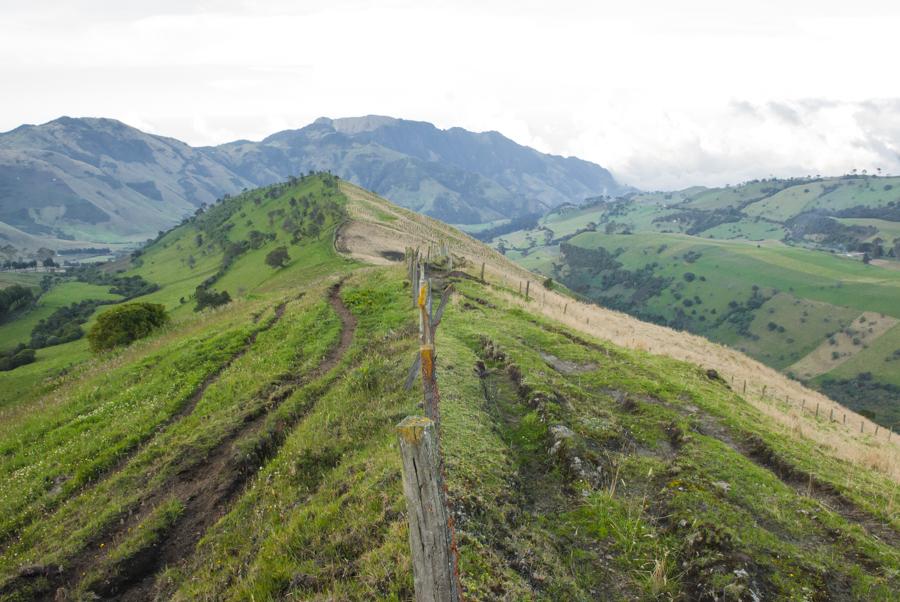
248 451
61 295
801 298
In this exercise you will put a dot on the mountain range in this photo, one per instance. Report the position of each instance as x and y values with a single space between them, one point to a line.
100 180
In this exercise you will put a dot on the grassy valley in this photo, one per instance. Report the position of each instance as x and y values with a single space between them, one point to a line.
799 274
247 451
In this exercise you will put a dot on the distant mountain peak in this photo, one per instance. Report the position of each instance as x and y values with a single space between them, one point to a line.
367 123
60 175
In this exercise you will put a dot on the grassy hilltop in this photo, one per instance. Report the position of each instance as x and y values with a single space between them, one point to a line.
802 275
248 452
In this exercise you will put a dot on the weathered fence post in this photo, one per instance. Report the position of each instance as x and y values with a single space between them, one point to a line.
434 570
745 386
527 288
482 271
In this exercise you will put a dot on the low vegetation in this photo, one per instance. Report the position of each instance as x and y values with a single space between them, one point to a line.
249 452
125 324
763 267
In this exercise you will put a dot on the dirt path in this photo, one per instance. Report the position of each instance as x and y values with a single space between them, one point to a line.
206 490
757 451
182 412
209 488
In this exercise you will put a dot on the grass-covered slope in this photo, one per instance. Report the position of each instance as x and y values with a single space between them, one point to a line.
800 274
248 452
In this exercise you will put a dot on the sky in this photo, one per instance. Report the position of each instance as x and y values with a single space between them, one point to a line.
664 94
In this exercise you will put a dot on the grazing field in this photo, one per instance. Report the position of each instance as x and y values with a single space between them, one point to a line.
778 269
19 330
248 451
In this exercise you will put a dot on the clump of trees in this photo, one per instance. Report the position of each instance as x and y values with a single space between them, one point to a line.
18 356
206 297
13 298
20 265
126 323
127 286
64 324
278 257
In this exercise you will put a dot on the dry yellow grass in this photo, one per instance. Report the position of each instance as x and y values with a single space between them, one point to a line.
378 226
826 357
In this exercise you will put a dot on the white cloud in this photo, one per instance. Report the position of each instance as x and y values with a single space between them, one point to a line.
665 94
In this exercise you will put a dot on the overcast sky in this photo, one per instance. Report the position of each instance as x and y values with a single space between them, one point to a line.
665 94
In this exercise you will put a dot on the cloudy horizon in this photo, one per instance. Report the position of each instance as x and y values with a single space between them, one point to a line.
665 97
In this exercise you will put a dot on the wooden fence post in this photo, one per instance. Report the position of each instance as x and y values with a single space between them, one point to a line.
527 288
434 565
482 271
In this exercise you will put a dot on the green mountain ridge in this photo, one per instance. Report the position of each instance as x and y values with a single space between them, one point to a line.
248 452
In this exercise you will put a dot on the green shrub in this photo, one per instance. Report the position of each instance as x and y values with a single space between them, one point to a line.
209 298
19 356
126 323
278 257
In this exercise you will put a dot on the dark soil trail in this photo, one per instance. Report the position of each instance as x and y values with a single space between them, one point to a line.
185 410
804 483
209 488
206 489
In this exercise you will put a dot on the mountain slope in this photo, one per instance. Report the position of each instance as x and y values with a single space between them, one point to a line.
100 180
772 268
249 452
455 175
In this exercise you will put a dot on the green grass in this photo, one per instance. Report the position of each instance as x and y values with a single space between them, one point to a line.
30 279
61 295
886 230
655 494
26 383
809 294
879 358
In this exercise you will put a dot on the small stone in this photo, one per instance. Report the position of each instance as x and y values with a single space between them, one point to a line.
560 431
723 486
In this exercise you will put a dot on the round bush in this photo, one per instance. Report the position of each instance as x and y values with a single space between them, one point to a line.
126 323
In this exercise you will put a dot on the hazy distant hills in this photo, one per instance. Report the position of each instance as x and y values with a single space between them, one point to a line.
101 180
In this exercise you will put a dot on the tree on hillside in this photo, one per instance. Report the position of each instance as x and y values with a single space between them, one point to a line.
278 257
126 323
210 298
